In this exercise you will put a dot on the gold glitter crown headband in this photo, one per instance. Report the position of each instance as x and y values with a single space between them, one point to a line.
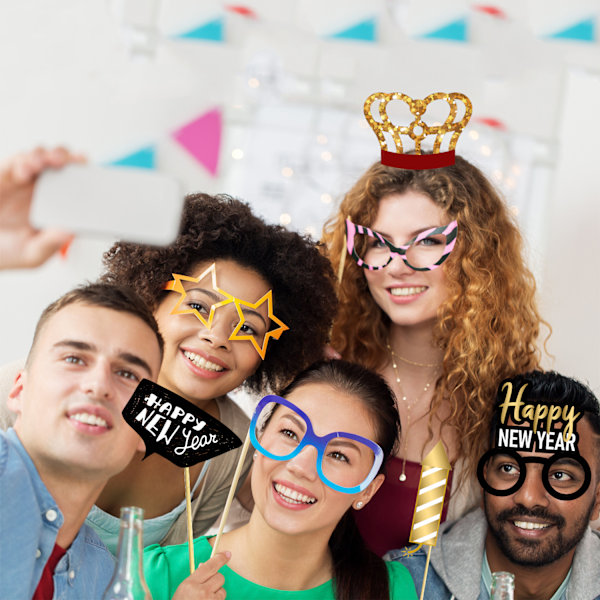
418 130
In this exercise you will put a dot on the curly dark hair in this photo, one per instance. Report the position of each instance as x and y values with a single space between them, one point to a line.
222 227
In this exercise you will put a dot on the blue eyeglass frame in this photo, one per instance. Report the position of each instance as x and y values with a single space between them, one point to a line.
317 441
352 229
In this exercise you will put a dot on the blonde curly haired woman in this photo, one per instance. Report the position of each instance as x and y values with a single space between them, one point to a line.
438 300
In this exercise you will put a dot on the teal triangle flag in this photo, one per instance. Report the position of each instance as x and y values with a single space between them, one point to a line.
584 31
212 30
144 159
455 31
366 31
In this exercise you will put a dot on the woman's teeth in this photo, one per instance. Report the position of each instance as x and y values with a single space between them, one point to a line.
89 419
292 496
407 291
202 363
529 525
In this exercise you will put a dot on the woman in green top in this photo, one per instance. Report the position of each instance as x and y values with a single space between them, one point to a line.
301 541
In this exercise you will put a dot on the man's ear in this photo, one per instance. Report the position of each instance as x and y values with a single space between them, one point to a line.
14 396
596 510
370 490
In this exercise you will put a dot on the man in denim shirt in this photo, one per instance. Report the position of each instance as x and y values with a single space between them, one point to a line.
90 350
537 506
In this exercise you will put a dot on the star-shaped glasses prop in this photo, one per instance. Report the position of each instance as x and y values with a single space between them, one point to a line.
177 285
272 333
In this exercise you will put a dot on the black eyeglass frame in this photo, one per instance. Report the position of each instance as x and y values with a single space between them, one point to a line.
522 462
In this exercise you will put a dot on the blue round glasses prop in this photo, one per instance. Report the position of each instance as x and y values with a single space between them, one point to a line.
319 442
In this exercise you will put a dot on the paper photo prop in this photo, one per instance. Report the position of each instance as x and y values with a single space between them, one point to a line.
425 252
363 454
176 285
215 297
418 130
430 497
541 427
430 503
175 428
499 483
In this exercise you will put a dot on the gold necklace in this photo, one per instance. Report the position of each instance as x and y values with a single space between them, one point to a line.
416 364
408 405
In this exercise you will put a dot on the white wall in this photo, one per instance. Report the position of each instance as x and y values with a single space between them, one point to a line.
571 284
66 77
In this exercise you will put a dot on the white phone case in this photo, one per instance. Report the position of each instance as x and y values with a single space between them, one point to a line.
125 203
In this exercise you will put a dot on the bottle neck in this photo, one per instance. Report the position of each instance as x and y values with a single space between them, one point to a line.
503 586
129 553
128 581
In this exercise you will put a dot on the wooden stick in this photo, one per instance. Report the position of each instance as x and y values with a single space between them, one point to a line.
340 272
425 574
236 478
188 508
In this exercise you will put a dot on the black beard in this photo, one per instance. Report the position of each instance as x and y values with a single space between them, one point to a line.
534 553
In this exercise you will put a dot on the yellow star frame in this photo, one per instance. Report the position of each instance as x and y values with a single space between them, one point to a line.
273 333
176 285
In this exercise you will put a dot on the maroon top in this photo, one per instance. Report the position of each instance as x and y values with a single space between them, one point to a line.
45 588
386 520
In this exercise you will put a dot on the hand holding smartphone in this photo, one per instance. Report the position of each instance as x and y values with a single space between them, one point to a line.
136 205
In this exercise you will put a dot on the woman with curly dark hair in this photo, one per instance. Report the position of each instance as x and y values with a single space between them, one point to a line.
255 306
438 300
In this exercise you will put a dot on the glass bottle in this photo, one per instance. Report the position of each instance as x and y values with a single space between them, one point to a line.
503 586
128 581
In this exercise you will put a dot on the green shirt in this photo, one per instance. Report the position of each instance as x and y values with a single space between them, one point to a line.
165 567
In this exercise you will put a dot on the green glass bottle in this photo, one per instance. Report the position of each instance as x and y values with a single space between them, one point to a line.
503 586
128 581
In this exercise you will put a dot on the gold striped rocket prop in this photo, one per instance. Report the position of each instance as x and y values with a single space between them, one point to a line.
430 501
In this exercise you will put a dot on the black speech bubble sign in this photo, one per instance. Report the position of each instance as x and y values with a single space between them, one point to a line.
175 428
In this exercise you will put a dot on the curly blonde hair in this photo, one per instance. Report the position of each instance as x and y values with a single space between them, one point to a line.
489 324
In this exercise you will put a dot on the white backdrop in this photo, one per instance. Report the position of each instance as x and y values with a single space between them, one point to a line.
294 137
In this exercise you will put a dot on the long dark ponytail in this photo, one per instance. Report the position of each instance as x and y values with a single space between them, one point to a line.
357 572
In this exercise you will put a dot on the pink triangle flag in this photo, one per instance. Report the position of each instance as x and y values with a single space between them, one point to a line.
202 139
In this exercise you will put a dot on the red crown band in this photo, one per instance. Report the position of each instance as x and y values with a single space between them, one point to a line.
417 161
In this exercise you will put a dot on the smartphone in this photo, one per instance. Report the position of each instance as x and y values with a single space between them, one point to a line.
137 205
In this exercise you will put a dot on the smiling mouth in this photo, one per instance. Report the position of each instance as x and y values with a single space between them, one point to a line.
407 291
530 525
89 419
292 496
202 363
